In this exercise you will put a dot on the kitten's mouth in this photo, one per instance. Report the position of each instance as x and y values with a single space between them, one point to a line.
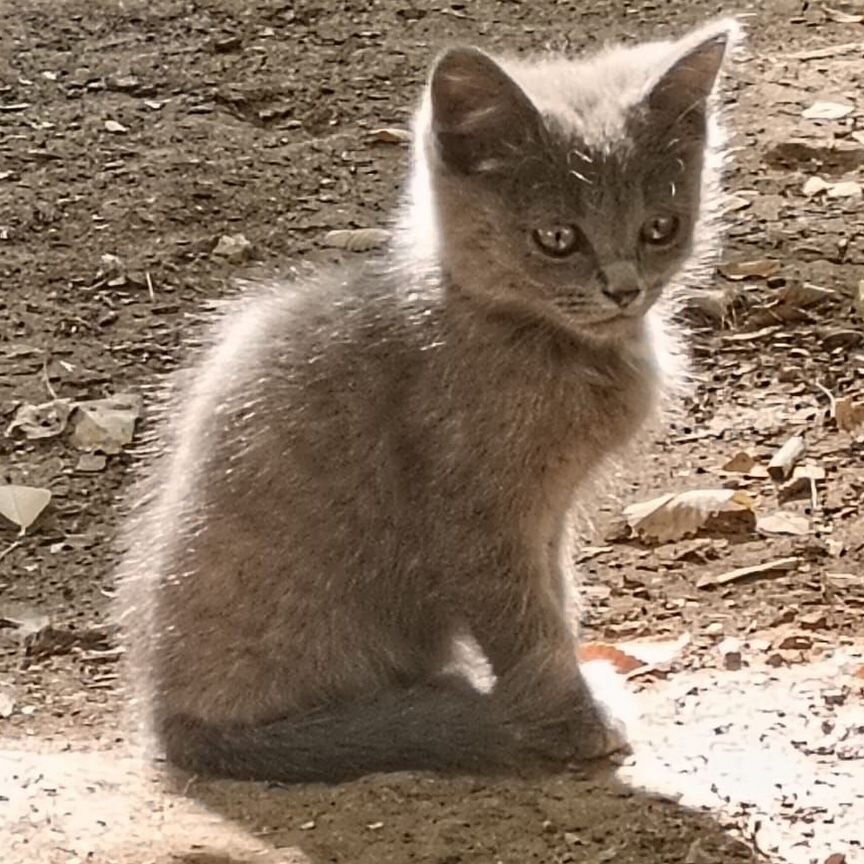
618 324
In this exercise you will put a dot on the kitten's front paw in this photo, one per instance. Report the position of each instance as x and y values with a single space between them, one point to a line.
609 718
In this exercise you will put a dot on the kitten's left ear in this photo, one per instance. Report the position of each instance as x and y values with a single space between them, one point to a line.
686 85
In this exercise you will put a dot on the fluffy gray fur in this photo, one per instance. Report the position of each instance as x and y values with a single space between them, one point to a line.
367 468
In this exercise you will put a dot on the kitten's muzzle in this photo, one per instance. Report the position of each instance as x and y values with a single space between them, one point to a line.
621 283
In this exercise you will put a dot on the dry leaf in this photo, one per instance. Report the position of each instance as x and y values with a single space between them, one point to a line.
115 128
832 156
41 421
91 462
357 239
655 652
743 463
772 568
843 189
827 51
7 704
814 185
22 505
784 523
848 414
761 268
809 472
235 248
802 295
390 136
623 663
838 16
827 111
106 425
635 657
784 460
671 517
740 463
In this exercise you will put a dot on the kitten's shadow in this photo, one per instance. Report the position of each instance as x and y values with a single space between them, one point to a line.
411 817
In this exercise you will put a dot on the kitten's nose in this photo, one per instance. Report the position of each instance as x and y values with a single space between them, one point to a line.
620 283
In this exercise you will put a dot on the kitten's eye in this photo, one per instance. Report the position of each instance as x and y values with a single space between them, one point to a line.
661 230
559 241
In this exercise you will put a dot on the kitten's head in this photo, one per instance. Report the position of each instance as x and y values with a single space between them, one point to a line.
572 188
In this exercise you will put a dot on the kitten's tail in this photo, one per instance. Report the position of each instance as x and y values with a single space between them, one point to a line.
426 727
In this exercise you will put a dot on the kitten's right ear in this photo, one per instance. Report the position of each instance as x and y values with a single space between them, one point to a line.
687 84
480 116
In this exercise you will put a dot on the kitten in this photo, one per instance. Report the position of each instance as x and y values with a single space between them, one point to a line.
368 468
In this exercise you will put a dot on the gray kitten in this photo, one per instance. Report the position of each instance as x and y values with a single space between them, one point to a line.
371 467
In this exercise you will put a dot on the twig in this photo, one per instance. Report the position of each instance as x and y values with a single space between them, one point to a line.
46 379
150 290
9 549
832 401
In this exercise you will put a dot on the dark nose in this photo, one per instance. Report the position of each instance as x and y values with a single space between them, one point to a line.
620 283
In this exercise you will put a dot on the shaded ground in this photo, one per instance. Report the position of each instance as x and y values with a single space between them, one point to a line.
147 131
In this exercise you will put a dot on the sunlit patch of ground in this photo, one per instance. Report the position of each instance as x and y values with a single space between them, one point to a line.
774 754
778 751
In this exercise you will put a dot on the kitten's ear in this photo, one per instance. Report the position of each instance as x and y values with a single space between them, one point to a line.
480 116
685 86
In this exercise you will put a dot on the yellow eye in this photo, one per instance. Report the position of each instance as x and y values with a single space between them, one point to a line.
661 230
558 241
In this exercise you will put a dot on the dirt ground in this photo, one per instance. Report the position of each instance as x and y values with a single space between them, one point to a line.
148 131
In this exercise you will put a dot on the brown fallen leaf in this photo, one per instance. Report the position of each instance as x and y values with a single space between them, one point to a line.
838 16
622 663
740 463
654 652
824 110
761 268
784 523
51 641
802 484
22 505
842 189
90 463
730 654
769 568
829 154
106 425
7 704
390 136
357 239
859 673
235 248
784 460
837 857
674 516
848 414
743 463
802 295
636 657
817 620
45 420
